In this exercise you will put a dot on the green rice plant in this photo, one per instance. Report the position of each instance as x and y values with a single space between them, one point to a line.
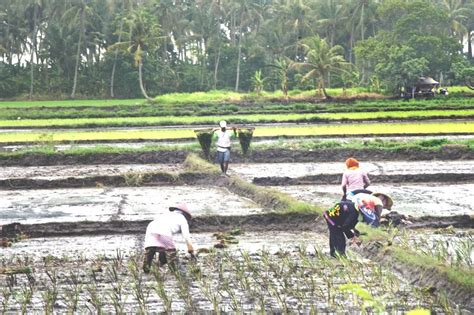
94 298
212 295
133 179
24 297
160 289
204 137
50 295
72 293
367 300
116 292
245 137
6 294
138 285
183 289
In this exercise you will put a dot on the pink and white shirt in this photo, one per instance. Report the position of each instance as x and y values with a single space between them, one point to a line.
160 231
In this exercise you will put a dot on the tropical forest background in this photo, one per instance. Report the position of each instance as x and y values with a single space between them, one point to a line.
143 48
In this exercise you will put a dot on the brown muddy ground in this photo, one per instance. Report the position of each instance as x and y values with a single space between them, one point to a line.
452 152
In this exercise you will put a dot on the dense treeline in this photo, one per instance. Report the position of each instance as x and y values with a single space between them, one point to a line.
133 48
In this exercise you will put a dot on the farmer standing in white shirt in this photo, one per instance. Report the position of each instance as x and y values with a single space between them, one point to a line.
159 236
223 143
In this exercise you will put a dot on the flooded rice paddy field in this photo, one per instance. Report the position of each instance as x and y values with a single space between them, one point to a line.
247 171
433 199
127 203
263 272
250 171
78 171
417 199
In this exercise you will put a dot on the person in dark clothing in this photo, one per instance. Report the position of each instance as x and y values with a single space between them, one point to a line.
341 220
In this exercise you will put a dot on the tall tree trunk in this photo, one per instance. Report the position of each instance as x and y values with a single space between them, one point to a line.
469 43
216 66
33 49
203 45
112 78
78 56
239 43
140 79
237 78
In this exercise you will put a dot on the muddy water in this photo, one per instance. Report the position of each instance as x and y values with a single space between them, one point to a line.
293 170
107 246
247 171
436 199
102 204
62 171
267 272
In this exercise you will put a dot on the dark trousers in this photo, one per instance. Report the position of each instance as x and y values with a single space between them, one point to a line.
337 241
164 257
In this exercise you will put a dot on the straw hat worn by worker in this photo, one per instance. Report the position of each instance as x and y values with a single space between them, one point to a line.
371 205
159 236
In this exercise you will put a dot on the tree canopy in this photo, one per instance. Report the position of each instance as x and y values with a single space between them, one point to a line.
133 48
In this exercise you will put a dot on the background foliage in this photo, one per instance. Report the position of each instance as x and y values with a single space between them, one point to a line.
105 48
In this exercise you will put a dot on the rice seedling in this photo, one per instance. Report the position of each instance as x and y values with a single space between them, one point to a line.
159 288
72 292
183 289
138 286
24 298
94 297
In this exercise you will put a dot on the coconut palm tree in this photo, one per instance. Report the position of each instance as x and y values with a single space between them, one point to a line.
320 61
143 36
77 16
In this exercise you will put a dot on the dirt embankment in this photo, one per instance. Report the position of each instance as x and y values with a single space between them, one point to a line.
208 224
256 156
335 179
425 277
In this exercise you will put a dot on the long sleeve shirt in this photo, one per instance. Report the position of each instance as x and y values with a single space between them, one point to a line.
167 225
343 215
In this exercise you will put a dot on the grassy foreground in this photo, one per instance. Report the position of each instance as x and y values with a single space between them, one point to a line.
466 127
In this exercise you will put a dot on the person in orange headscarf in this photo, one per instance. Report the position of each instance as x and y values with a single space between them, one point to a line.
354 179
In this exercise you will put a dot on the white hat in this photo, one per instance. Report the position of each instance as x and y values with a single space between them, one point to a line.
223 124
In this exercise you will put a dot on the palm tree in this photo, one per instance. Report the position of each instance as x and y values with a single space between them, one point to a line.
283 66
126 6
248 15
33 14
332 15
77 16
320 61
143 36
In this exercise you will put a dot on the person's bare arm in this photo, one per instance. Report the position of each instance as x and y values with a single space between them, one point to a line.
366 181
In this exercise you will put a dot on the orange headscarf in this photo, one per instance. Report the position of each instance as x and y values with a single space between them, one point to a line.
351 162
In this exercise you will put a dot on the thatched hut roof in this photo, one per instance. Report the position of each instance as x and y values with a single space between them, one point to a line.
427 81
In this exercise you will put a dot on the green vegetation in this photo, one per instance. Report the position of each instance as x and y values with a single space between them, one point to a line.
280 131
243 119
72 103
304 145
58 49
